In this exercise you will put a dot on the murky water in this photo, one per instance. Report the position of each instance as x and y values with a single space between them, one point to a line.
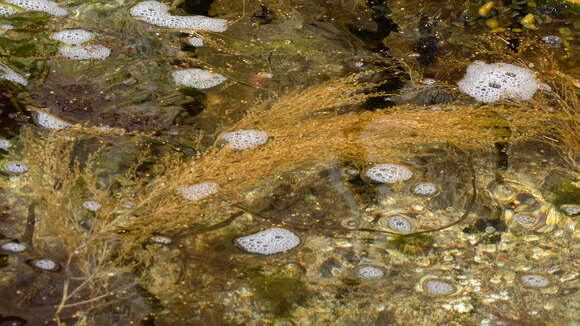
289 163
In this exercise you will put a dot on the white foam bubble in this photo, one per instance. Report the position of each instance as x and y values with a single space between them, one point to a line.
92 205
490 82
156 13
84 52
197 78
243 139
49 121
49 7
13 246
399 223
534 280
73 36
15 167
44 264
425 189
389 173
161 239
5 143
370 273
12 76
198 191
438 287
269 242
195 41
7 11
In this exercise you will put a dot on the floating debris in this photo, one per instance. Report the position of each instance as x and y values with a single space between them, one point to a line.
14 167
535 281
244 139
269 242
157 13
370 273
92 206
197 78
73 36
388 173
13 246
198 191
490 82
49 7
43 264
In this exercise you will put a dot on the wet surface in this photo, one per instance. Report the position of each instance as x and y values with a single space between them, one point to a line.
327 170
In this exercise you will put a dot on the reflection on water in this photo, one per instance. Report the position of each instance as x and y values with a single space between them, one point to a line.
280 163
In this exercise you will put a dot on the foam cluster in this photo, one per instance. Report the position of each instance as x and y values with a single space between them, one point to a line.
438 287
15 167
13 246
84 52
44 264
195 41
49 7
197 78
5 143
534 280
490 82
370 273
157 13
399 223
92 206
198 191
243 139
73 36
388 173
13 76
49 121
424 189
270 241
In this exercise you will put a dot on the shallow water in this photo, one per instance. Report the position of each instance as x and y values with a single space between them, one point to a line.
370 188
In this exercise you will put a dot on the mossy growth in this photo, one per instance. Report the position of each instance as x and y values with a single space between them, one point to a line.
566 193
414 244
278 293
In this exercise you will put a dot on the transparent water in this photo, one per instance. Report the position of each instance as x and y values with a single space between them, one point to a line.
135 195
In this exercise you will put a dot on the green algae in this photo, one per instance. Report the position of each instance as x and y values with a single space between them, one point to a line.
278 292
